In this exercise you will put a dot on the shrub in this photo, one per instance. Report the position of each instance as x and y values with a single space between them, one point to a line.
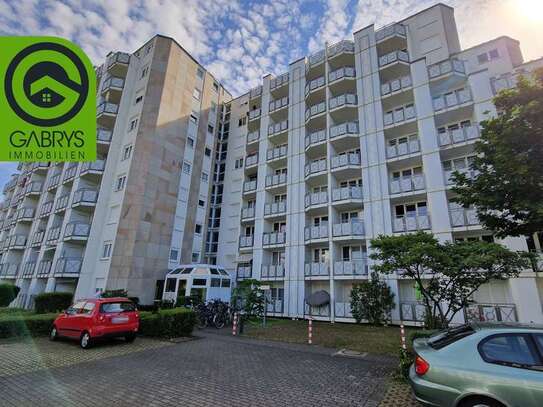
170 323
17 325
421 333
114 293
52 302
406 359
372 300
187 301
8 292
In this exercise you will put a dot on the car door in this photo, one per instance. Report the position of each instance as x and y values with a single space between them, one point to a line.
85 317
68 325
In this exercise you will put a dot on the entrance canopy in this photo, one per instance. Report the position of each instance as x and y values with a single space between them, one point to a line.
207 281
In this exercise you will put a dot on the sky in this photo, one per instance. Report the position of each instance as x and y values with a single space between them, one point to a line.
240 41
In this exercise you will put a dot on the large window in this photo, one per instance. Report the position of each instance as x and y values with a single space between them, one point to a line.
170 285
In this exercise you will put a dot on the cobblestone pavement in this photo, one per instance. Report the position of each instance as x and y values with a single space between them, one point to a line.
399 394
215 370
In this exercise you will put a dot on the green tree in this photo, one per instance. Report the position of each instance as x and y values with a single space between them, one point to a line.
8 292
508 189
372 300
248 298
447 274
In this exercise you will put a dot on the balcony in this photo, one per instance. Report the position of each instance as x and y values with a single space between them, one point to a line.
25 214
117 63
9 270
342 310
272 271
491 313
254 114
274 306
276 180
396 86
112 84
275 209
68 267
463 216
62 202
314 269
402 148
408 183
77 231
44 268
46 208
255 92
107 109
315 59
411 223
10 185
315 110
316 198
352 230
37 238
347 194
40 166
346 99
17 242
244 272
28 268
399 116
246 241
53 235
103 136
393 57
85 197
53 182
247 213
471 174
315 233
277 128
412 311
274 238
390 31
276 153
351 268
347 128
253 137
315 167
280 81
347 72
460 135
315 84
315 138
92 168
341 47
451 100
345 160
251 160
249 186
323 312
278 104
445 68
34 188
69 172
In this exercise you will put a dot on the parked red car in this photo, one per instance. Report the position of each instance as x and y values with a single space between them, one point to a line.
88 320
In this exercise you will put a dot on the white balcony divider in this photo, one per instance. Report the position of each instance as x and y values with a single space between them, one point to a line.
315 166
407 184
315 138
343 193
275 179
343 160
316 232
316 269
273 238
411 223
316 198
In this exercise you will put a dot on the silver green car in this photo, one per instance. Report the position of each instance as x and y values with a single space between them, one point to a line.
478 364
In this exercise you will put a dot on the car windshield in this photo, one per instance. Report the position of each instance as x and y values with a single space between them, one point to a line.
451 335
112 307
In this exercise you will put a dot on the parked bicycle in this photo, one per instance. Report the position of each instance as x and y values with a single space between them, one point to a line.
215 313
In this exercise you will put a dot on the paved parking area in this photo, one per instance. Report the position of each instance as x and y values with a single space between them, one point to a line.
215 370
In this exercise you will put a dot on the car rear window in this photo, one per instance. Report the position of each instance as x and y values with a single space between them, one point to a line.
451 335
113 307
509 349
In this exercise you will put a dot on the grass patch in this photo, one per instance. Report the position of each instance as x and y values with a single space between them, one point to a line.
9 312
361 338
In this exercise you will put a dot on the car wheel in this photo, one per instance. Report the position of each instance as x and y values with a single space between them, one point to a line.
480 402
130 338
85 340
53 335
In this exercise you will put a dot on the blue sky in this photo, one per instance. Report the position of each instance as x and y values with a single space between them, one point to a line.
241 41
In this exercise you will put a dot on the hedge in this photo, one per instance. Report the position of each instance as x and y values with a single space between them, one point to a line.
8 292
17 325
52 302
421 333
167 323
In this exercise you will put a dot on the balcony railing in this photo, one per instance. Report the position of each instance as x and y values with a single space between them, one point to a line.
85 196
107 108
396 85
246 241
34 187
399 115
249 186
17 241
28 268
69 172
251 160
471 174
276 152
244 272
316 232
315 110
26 214
316 198
276 179
412 311
343 309
345 229
323 311
54 181
44 268
316 58
254 114
62 202
315 138
40 166
389 31
344 128
394 56
316 269
347 99
460 135
275 208
451 99
315 166
97 166
344 160
255 92
54 234
77 230
463 216
253 136
273 238
344 72
315 84
37 238
104 136
445 67
113 82
340 47
279 81
344 193
274 306
411 223
9 270
46 208
272 271
491 313
277 128
118 58
351 268
68 266
407 184
278 104
403 148
247 213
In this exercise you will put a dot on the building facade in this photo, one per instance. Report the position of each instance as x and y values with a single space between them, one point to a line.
286 184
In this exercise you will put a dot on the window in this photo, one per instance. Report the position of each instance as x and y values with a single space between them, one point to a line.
516 350
198 228
174 253
127 152
138 99
196 94
116 307
106 251
170 285
194 118
205 176
493 54
144 72
76 308
225 283
482 58
186 168
239 163
207 152
488 56
200 73
215 86
215 282
195 257
88 308
201 203
449 336
121 181
190 142
199 281
242 121
133 124
210 129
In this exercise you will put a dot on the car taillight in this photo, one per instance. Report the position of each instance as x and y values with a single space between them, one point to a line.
421 366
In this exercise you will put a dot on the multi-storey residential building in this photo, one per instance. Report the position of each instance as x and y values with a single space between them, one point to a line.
354 141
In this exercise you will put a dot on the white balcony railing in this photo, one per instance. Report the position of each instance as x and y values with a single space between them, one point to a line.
315 138
491 313
390 31
118 58
113 83
343 193
399 149
253 136
412 311
44 268
392 57
107 108
344 128
34 187
451 99
340 47
53 181
25 214
255 113
351 268
277 128
70 172
344 160
316 232
247 213
407 184
459 135
68 266
315 110
97 166
315 84
278 104
279 81
353 228
315 166
249 186
411 223
104 136
463 216
275 208
399 115
85 196
244 272
275 179
255 92
471 174
347 99
77 230
272 271
446 67
28 268
344 72
62 202
342 310
316 269
273 238
246 241
251 160
396 85
54 234
316 198
277 152
316 58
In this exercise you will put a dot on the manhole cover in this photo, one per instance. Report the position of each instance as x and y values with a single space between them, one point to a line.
350 353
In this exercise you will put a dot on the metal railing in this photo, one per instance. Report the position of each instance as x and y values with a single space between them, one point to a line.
44 267
278 104
399 115
491 313
84 195
272 271
412 311
53 181
276 179
351 268
316 232
315 269
315 84
277 128
62 202
9 270
249 186
118 58
275 208
411 223
17 241
459 135
343 309
315 110
451 99
315 138
403 148
54 234
37 238
279 81
315 58
34 187
389 31
94 166
255 92
253 136
352 228
273 238
246 241
277 152
69 172
316 198
25 214
255 113
445 67
344 128
394 56
244 272
316 166
407 184
346 159
466 171
323 311
251 160
107 108
463 216
104 136
28 268
396 85
344 72
247 213
274 306
77 230
347 99
113 82
340 47
68 266
343 193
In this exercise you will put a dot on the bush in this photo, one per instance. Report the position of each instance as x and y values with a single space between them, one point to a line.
114 293
187 301
170 323
372 300
8 292
406 360
52 302
17 325
421 333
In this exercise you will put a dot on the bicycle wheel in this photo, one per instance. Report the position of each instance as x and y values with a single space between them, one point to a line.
219 321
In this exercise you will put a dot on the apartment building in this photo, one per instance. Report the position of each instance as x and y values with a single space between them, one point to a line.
286 184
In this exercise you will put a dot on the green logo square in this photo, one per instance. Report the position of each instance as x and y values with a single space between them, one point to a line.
47 101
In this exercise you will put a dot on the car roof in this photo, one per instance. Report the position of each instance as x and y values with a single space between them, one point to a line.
505 326
105 300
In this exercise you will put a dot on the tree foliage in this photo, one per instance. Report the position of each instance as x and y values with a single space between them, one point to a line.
248 298
8 292
372 300
447 274
508 189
